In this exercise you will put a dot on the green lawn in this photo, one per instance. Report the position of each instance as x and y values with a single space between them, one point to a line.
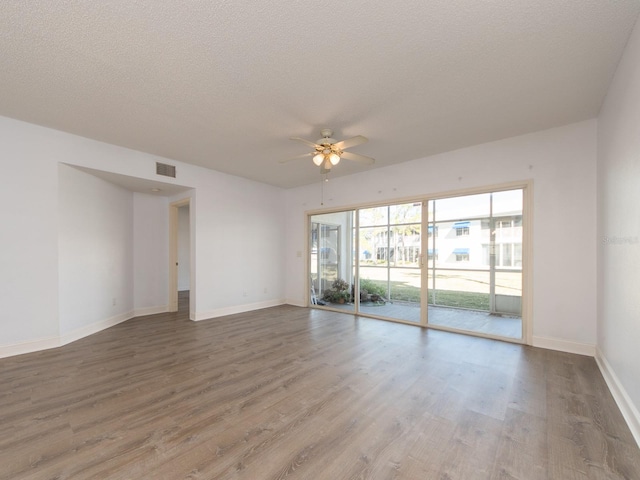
450 298
402 292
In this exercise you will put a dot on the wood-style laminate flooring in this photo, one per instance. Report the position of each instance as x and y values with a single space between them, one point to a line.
297 393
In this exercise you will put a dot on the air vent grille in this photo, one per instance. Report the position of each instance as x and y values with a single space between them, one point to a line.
166 170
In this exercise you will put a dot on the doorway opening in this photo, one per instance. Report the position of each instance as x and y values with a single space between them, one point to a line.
180 255
331 268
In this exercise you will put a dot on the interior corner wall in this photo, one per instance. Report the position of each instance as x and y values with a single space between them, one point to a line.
150 253
237 237
95 238
561 163
619 233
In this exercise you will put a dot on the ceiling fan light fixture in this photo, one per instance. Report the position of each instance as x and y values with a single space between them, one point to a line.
327 152
318 158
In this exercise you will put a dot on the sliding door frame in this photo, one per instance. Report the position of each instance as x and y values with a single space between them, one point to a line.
527 253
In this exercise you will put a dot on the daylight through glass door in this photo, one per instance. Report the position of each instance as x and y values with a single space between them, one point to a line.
390 256
474 265
464 274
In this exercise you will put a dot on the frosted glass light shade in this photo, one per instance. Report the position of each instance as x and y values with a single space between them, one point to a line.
318 158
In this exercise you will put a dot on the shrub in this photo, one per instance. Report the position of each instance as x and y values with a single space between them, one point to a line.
371 288
340 285
338 293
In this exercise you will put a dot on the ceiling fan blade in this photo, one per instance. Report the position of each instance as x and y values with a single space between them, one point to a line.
306 142
357 158
296 158
351 142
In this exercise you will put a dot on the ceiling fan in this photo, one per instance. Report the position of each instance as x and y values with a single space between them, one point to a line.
327 151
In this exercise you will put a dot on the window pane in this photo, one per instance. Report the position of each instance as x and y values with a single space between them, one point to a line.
374 246
374 216
405 213
405 245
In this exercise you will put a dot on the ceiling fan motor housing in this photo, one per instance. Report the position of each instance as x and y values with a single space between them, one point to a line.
326 137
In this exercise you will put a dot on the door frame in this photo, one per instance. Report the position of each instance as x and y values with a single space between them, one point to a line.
527 251
173 253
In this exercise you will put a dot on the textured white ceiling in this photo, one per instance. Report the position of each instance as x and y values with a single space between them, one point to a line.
225 84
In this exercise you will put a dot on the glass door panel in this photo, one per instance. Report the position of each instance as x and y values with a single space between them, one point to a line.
507 208
474 266
331 263
390 261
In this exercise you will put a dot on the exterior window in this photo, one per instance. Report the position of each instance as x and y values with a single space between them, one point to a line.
461 254
462 228
517 255
509 255
431 231
506 258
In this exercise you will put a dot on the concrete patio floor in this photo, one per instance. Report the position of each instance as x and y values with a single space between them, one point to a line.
459 319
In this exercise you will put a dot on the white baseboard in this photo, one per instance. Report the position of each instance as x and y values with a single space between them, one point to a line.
29 347
141 312
221 312
295 303
564 346
625 404
95 327
69 337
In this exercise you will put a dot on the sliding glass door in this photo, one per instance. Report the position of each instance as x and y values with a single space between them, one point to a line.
454 263
475 263
389 260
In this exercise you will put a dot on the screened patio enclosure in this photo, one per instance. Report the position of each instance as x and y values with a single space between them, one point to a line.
454 262
331 244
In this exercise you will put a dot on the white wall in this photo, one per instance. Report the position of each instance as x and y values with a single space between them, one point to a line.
239 246
28 239
562 164
184 249
237 243
150 253
619 234
95 234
